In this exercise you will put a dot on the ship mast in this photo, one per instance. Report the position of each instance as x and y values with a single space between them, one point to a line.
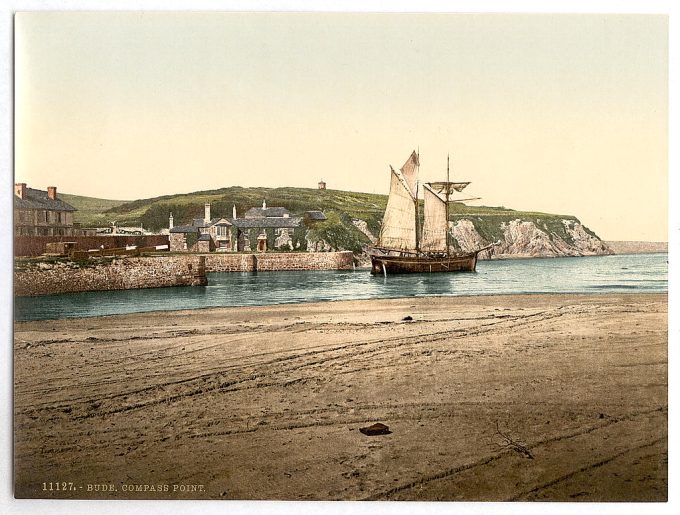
416 209
446 223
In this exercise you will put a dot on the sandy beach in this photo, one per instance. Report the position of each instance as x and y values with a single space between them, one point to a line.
534 397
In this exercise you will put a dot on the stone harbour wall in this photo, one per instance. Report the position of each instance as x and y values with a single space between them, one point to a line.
61 276
46 278
228 262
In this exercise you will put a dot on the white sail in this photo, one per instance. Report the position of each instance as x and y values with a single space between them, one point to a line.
435 223
399 223
410 172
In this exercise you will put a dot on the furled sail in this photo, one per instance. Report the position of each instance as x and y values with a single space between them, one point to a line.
447 188
399 223
410 172
435 223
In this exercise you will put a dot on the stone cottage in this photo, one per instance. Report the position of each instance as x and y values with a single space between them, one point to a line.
261 229
203 235
41 213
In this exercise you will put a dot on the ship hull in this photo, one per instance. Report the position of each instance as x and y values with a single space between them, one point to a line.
422 264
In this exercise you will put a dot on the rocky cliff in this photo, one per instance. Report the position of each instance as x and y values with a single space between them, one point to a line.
518 238
524 239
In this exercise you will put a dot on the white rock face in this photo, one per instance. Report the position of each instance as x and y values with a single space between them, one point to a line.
363 227
588 244
466 235
524 239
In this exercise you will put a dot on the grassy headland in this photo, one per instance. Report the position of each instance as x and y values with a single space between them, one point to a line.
153 213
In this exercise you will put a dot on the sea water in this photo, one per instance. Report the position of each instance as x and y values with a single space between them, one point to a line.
640 273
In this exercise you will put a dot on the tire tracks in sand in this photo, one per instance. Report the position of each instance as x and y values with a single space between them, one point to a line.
508 459
212 381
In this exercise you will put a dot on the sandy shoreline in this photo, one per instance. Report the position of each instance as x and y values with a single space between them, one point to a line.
266 402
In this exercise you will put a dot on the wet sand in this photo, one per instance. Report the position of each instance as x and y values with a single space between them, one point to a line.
535 397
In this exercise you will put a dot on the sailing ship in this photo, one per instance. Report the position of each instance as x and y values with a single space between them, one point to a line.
403 246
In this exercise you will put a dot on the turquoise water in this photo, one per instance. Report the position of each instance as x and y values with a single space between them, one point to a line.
599 274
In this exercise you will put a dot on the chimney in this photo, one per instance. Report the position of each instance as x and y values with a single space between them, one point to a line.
52 192
233 212
171 224
207 213
20 190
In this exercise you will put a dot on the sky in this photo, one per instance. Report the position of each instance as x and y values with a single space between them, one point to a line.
557 113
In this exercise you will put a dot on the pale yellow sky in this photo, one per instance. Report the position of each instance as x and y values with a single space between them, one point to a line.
557 113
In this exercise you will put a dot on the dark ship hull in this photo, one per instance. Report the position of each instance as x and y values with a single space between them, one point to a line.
423 264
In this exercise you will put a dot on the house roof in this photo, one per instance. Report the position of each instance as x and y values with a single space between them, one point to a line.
38 199
315 215
200 222
266 223
204 237
184 229
268 212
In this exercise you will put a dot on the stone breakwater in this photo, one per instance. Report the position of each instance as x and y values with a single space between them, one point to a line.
270 262
46 278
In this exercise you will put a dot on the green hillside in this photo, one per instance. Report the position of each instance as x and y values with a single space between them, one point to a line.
153 213
91 211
